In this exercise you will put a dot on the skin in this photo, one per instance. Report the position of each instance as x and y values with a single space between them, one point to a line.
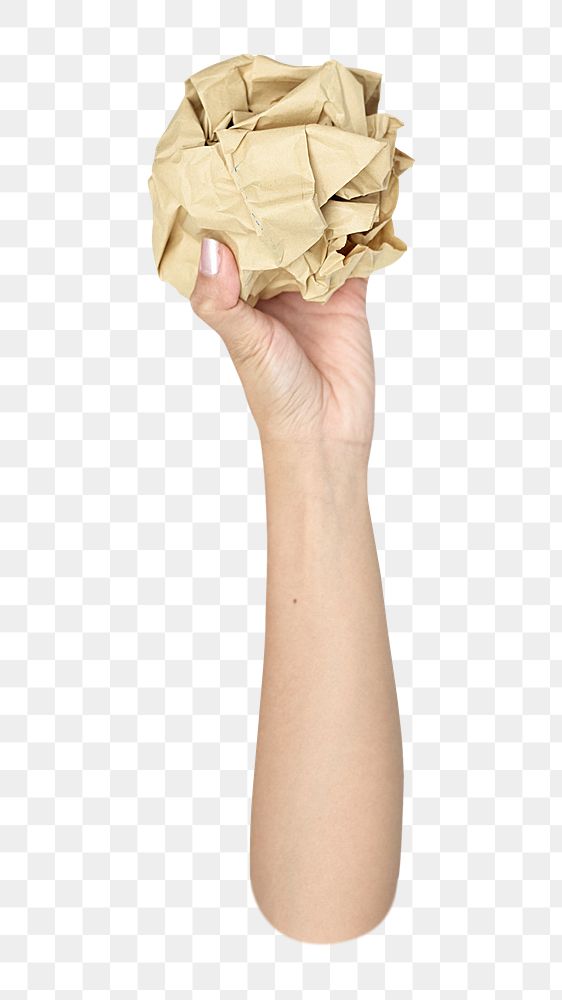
328 783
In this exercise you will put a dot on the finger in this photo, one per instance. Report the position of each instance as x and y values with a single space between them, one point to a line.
358 286
216 300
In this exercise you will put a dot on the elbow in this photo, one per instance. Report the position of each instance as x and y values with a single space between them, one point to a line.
380 908
323 914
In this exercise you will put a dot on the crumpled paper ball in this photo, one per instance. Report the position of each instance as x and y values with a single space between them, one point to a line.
291 166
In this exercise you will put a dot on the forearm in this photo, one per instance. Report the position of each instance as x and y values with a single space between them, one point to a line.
327 799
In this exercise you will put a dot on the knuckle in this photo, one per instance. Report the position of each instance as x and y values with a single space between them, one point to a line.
201 304
251 347
244 350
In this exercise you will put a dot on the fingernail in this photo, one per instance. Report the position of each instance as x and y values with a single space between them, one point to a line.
209 259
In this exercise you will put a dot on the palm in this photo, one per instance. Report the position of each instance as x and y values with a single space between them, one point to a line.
322 361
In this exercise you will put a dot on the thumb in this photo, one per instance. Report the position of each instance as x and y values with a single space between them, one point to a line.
246 332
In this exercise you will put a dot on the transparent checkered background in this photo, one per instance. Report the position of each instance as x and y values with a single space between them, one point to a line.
132 528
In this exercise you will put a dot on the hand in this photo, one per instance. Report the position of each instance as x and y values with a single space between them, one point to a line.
306 367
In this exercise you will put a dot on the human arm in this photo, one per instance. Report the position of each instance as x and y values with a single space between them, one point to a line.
328 782
327 799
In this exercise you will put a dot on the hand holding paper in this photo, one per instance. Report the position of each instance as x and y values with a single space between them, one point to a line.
292 167
306 367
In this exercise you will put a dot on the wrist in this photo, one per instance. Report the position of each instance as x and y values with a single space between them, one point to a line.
329 470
